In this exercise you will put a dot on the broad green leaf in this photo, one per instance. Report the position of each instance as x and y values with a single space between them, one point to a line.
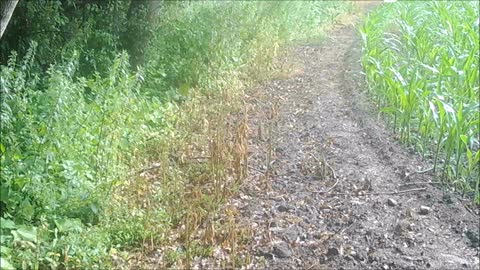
42 130
464 139
433 109
469 156
432 69
7 224
94 208
448 108
68 224
477 156
4 192
6 251
28 233
5 265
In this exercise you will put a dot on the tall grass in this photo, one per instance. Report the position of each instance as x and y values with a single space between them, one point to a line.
421 61
73 148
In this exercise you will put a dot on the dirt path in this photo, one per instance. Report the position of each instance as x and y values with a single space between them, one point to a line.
310 207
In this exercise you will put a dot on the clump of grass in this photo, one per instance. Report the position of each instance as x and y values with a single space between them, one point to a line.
422 66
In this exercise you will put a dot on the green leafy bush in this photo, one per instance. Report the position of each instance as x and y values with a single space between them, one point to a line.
62 145
199 42
96 30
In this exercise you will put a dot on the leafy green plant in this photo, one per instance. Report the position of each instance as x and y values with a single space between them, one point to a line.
60 149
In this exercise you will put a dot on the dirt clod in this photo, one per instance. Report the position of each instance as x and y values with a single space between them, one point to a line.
424 210
474 238
332 252
283 208
392 202
282 250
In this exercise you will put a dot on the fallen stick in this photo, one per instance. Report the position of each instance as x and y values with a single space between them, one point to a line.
382 193
258 170
325 163
330 189
333 173
147 169
424 171
418 183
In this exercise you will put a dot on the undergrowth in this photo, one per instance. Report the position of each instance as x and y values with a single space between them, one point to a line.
136 158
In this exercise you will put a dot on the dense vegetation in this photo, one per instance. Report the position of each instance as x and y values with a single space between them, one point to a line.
96 93
422 66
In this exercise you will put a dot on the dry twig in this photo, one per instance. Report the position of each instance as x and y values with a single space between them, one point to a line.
382 193
256 169
330 189
333 173
424 171
418 183
148 169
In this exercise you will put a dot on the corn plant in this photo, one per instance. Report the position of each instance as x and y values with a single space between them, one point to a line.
421 61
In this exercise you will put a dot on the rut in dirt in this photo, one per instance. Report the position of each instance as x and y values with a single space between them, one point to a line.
320 163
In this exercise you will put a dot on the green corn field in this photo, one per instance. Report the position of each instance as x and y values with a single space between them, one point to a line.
421 62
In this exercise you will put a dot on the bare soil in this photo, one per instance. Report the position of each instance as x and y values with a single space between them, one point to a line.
329 185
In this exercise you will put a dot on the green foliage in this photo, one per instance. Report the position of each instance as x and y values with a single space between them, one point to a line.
76 120
422 66
199 42
62 147
93 29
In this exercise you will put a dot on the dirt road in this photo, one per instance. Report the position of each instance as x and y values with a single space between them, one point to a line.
330 187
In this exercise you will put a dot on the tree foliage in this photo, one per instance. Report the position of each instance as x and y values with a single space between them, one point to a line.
97 30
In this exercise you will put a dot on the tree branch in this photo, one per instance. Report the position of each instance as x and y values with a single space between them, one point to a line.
6 10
